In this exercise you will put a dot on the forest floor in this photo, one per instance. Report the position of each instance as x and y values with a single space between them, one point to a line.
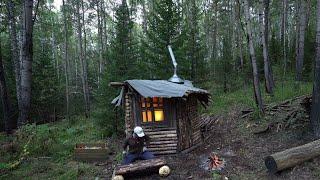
241 141
233 137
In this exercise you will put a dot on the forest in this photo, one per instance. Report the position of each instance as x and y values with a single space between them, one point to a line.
259 61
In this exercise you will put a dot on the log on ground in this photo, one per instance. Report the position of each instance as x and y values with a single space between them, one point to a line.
292 157
139 167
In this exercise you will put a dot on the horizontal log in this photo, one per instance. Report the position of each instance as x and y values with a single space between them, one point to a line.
162 145
150 129
116 84
163 142
161 132
161 148
140 166
165 152
162 136
163 139
292 157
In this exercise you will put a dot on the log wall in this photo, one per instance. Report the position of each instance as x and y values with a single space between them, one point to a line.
192 106
188 126
129 122
162 140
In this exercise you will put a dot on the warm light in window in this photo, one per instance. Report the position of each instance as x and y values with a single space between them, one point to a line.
147 116
152 109
158 115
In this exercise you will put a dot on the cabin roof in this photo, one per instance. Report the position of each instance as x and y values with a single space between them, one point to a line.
162 88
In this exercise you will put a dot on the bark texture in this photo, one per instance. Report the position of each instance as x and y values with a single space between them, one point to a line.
66 65
26 62
302 16
83 61
263 16
291 157
6 103
14 46
256 83
315 112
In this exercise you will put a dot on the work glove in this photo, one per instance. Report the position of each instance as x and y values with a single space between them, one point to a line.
124 153
144 149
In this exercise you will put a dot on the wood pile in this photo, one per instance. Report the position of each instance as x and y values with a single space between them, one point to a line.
292 113
207 125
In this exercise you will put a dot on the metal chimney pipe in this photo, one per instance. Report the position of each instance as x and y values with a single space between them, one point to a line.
175 77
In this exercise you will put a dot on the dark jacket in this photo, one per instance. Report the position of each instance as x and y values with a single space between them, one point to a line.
136 144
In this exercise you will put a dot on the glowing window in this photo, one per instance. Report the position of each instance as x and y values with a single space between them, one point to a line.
152 110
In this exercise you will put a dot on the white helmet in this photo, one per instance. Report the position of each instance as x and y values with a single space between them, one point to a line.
138 131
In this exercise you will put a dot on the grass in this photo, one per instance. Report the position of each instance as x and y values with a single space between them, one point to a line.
222 102
49 150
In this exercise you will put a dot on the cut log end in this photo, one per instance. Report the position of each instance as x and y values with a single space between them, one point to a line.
271 164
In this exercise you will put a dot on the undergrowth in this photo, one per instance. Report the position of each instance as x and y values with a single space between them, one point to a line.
46 151
244 97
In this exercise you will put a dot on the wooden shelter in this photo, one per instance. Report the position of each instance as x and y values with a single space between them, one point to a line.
167 112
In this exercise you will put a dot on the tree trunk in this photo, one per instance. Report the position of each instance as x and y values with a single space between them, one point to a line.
301 37
291 157
100 43
283 34
140 167
144 17
85 64
14 46
83 61
256 83
315 113
26 62
6 103
66 65
264 43
239 35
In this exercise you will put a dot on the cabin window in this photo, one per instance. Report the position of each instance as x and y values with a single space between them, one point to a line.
152 110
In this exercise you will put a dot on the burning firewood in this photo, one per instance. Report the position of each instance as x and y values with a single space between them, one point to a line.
215 163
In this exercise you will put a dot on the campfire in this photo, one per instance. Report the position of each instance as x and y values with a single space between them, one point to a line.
215 163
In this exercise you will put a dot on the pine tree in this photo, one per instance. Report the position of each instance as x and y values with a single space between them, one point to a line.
164 29
122 67
194 67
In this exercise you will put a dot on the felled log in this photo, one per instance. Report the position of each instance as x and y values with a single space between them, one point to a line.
139 167
292 157
116 84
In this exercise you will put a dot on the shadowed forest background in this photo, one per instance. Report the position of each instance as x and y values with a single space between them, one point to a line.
58 59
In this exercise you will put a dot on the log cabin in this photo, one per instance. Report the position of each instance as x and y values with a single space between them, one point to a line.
167 110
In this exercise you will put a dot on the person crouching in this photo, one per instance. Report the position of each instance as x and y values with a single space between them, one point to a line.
137 147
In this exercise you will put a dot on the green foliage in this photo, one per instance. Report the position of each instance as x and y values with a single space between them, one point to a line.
164 29
223 102
55 141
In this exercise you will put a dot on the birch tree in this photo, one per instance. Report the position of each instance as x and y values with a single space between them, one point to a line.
66 60
256 83
263 18
84 67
